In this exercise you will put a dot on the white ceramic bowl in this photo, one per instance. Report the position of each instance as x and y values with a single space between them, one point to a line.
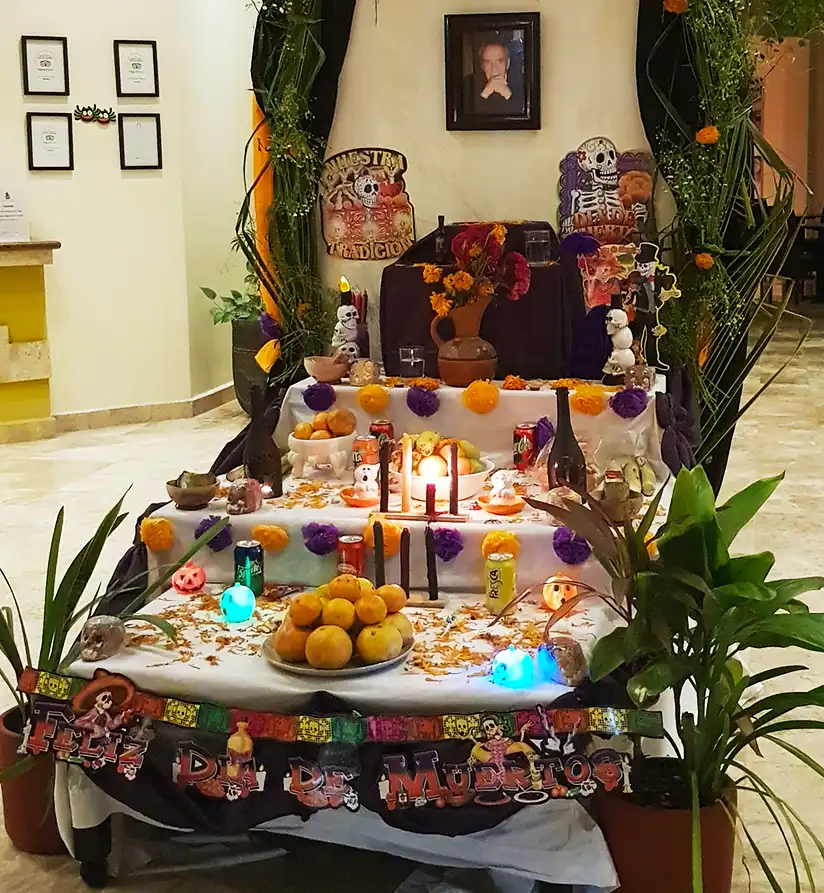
336 451
468 484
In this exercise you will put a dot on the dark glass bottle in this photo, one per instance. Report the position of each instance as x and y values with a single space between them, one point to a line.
440 241
566 465
261 456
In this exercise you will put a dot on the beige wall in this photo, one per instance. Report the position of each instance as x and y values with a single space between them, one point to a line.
126 322
392 95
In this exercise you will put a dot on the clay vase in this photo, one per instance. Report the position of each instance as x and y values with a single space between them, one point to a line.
651 846
28 799
466 357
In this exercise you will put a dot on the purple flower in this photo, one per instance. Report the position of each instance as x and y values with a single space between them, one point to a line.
448 543
569 547
319 396
222 541
269 327
422 402
545 433
629 403
320 539
577 244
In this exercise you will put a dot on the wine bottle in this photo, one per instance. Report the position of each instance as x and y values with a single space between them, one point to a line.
566 465
440 241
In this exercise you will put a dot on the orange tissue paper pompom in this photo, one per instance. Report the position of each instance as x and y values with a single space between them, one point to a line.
588 400
373 398
704 261
391 536
271 537
500 541
158 534
707 136
481 396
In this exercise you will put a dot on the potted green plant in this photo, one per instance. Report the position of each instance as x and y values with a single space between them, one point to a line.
695 608
242 310
27 781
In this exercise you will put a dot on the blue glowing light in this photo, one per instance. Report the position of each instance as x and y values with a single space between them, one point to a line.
513 668
237 603
548 668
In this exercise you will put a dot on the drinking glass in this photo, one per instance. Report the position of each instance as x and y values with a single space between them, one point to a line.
412 362
538 246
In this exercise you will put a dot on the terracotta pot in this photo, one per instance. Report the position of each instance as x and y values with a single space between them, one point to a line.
649 845
466 357
28 800
247 340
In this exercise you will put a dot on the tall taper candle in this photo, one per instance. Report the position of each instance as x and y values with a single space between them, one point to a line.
406 538
453 479
431 564
406 475
380 560
384 475
430 500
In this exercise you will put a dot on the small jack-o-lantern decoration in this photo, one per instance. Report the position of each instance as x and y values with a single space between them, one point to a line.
558 590
188 579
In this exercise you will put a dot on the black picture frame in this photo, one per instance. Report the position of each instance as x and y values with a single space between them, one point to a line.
30 116
122 92
122 120
463 34
28 89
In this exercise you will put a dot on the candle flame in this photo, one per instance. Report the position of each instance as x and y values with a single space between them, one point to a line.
344 285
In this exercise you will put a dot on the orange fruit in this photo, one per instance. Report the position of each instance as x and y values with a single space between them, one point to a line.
303 431
305 609
378 643
403 625
394 597
370 609
321 435
319 421
345 586
290 642
339 612
433 467
464 466
329 648
340 422
367 587
322 591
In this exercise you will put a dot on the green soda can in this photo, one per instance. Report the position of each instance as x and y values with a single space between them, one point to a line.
249 565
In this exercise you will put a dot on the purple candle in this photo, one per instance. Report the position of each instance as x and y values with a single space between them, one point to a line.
453 479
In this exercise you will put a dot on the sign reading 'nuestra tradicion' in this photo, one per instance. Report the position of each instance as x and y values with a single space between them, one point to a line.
366 210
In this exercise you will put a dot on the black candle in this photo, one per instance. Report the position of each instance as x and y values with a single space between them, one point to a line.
453 479
431 565
384 476
380 561
430 500
405 549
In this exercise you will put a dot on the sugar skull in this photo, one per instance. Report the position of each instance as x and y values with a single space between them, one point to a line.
348 352
367 190
599 157
616 320
102 637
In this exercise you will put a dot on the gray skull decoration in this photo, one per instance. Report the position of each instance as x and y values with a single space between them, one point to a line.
102 637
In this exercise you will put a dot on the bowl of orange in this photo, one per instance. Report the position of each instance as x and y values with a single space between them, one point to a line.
325 441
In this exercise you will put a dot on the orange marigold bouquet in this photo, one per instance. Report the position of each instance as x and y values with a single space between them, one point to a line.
480 269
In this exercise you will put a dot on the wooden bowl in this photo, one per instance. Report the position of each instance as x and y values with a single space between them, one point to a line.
493 509
325 369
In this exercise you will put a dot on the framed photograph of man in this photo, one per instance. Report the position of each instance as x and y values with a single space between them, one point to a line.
493 71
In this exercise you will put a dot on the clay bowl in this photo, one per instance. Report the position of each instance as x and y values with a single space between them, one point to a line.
201 490
325 369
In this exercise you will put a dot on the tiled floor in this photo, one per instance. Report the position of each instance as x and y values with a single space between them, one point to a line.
88 471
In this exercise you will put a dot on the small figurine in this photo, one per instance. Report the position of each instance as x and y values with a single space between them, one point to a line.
503 491
188 579
366 482
244 497
346 328
102 637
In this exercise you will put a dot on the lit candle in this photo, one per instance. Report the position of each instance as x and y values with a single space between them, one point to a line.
384 476
405 559
380 561
345 287
431 564
453 479
430 499
406 475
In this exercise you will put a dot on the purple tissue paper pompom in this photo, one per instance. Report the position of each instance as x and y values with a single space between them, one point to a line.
422 402
569 547
629 403
577 244
319 396
320 539
448 543
222 541
544 433
269 328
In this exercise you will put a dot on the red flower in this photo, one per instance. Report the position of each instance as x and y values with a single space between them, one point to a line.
517 276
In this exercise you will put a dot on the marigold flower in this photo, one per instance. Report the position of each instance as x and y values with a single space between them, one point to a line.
462 281
481 396
499 233
440 303
486 289
707 136
588 400
704 261
501 542
158 534
475 251
373 399
271 537
391 536
432 273
514 383
676 6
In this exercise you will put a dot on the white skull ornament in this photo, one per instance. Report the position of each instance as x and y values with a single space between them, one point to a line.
348 352
622 339
616 320
348 316
367 189
619 361
599 157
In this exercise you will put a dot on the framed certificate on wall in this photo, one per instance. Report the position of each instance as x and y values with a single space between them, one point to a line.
50 141
45 64
135 68
140 144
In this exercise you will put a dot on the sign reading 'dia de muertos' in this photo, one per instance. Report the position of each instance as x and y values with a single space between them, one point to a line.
366 210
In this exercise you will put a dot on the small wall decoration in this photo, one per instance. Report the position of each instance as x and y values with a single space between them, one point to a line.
366 210
50 141
45 64
140 143
605 192
135 68
89 113
493 71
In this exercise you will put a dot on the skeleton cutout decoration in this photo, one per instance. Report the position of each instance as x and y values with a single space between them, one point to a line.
605 192
365 207
102 637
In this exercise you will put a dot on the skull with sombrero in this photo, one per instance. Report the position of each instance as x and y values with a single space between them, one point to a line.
108 691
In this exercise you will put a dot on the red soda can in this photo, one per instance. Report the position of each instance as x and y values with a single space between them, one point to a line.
365 450
524 439
352 552
383 430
